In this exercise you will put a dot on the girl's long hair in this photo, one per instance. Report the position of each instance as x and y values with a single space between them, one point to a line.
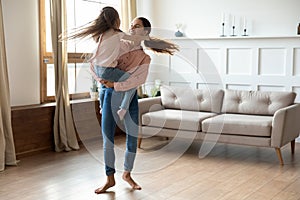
108 19
155 44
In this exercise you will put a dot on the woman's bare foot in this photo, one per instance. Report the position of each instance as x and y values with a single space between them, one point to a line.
110 182
127 177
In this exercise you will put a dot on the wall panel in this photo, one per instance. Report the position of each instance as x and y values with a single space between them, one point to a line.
239 61
296 65
272 61
245 63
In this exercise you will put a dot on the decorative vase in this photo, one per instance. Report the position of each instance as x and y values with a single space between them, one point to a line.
178 34
94 95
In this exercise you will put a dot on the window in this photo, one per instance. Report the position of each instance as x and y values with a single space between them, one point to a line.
79 12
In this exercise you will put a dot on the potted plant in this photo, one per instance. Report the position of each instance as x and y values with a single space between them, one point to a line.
178 33
155 92
94 90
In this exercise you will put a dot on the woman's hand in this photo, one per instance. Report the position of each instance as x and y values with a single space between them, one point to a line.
107 84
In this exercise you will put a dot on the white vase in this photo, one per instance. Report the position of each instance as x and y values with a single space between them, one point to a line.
94 95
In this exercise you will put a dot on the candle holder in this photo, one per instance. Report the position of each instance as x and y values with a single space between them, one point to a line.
223 30
233 34
245 32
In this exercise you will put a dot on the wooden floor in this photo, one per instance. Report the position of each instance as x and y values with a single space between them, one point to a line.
227 172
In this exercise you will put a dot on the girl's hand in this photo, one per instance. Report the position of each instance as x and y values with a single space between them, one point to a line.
103 82
108 84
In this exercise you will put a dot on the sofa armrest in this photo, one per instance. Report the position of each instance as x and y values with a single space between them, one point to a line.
285 125
149 104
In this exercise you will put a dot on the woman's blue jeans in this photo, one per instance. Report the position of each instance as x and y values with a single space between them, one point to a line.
111 103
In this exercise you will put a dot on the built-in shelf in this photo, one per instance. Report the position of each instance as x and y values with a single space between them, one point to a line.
237 37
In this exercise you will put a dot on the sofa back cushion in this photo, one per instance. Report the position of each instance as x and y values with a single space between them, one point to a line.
256 102
185 98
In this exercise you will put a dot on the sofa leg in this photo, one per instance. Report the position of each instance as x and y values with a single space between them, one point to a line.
139 142
278 152
293 146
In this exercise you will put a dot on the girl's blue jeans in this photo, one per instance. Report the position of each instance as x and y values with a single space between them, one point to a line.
111 103
116 75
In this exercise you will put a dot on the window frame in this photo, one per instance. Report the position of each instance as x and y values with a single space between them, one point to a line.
47 58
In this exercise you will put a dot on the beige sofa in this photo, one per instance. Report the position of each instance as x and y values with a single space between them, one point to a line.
257 118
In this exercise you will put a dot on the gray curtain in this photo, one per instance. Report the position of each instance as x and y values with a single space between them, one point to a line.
7 147
64 131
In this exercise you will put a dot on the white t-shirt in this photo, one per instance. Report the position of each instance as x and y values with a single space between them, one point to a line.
108 49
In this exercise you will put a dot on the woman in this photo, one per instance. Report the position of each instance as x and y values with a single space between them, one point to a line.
136 61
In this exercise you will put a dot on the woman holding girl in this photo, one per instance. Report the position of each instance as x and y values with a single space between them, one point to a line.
134 60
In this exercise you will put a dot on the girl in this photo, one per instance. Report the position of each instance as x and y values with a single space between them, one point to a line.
105 31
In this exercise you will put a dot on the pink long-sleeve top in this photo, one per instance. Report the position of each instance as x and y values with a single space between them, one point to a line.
136 62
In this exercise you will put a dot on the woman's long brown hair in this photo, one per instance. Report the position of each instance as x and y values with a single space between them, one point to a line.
156 44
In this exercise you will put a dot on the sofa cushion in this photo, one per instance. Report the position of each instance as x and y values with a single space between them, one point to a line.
176 119
185 98
256 102
237 124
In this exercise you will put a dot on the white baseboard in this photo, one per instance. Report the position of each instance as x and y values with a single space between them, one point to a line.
298 139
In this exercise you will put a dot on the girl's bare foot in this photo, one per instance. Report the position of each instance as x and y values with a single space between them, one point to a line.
127 177
121 113
110 182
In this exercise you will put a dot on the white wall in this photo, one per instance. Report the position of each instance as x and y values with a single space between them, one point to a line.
22 49
201 18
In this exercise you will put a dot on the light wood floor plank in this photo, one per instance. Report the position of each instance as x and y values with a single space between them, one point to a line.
229 172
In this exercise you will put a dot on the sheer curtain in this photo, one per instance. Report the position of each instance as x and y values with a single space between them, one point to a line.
7 147
128 13
64 131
